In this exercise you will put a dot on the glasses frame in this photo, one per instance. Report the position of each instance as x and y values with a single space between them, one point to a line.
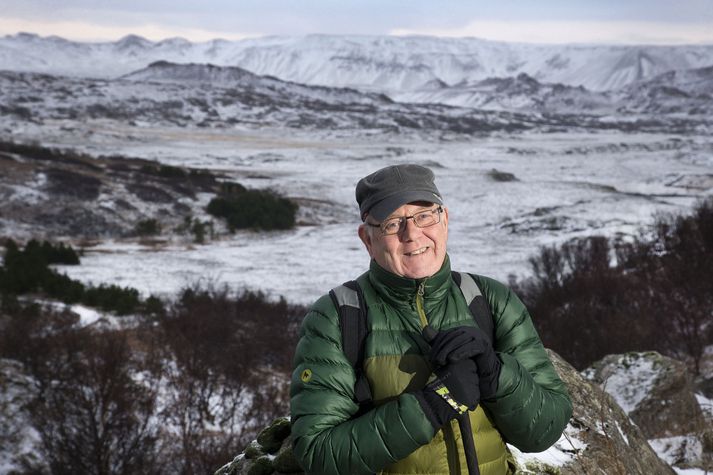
437 211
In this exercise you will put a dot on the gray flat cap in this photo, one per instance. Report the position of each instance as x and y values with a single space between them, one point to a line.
385 190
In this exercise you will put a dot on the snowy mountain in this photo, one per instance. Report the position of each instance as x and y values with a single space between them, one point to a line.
200 95
197 75
522 92
688 91
381 63
161 99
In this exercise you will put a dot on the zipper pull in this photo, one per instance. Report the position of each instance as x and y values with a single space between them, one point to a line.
421 288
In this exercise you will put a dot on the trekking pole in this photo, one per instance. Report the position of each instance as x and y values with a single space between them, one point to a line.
466 430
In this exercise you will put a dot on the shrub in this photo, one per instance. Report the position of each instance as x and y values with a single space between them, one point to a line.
232 356
229 188
148 227
255 209
122 300
165 171
63 288
658 295
27 270
198 231
91 415
153 306
498 175
23 270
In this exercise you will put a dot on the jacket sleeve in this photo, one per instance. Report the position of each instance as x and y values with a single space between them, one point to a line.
532 406
326 440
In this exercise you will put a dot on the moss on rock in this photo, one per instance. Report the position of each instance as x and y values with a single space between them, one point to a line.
261 466
254 450
285 460
272 436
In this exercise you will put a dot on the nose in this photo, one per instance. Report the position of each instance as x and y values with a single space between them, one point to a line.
409 230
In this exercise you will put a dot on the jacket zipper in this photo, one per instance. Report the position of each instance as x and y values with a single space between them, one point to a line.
419 304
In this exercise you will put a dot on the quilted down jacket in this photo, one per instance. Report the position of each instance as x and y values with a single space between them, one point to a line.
530 409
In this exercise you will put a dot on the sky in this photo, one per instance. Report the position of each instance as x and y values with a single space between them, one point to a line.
530 21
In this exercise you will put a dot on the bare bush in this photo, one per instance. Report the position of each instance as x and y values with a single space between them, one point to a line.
230 358
591 297
92 416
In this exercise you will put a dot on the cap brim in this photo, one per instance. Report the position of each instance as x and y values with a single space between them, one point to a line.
381 210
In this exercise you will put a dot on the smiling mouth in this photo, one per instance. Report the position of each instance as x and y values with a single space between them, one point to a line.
416 252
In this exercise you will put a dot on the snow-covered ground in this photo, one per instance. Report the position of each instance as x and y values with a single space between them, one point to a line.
566 185
561 452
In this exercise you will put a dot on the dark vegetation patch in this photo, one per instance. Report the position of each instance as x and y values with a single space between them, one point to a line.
72 184
498 175
254 209
595 296
148 227
219 360
38 152
150 193
27 270
72 220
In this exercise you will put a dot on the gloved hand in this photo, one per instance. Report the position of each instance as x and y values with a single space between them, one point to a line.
454 391
466 342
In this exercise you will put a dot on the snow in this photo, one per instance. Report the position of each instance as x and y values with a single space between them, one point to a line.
87 316
383 63
690 471
568 185
632 382
706 405
560 453
676 449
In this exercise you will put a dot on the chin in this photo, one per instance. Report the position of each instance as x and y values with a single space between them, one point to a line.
421 272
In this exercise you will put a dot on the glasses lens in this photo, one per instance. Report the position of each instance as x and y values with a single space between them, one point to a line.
391 226
427 218
422 220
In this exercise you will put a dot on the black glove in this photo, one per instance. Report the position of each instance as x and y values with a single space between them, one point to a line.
454 391
466 342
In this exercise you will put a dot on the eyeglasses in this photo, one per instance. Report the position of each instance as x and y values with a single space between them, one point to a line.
422 219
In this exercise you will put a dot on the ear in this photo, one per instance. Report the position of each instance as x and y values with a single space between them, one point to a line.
444 220
365 237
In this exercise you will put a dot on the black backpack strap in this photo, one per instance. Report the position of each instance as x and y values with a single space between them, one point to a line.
348 298
477 305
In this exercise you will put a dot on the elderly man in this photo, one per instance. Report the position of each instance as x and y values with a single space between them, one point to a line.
447 389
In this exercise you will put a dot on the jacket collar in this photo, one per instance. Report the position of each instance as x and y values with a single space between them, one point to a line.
401 291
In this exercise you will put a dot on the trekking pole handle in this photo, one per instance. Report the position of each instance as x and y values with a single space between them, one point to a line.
429 334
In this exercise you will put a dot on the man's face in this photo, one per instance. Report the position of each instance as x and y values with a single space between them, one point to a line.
413 252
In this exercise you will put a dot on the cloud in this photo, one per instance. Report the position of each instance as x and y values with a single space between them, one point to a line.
610 32
84 31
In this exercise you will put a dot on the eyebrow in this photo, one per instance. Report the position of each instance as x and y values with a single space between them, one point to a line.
426 208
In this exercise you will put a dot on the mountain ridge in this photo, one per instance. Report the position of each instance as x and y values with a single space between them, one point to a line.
377 63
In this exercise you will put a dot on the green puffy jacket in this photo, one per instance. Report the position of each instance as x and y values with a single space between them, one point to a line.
530 410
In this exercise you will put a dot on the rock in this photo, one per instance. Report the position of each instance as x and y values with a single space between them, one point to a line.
256 459
285 460
254 450
272 436
656 391
600 436
233 468
659 395
262 466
